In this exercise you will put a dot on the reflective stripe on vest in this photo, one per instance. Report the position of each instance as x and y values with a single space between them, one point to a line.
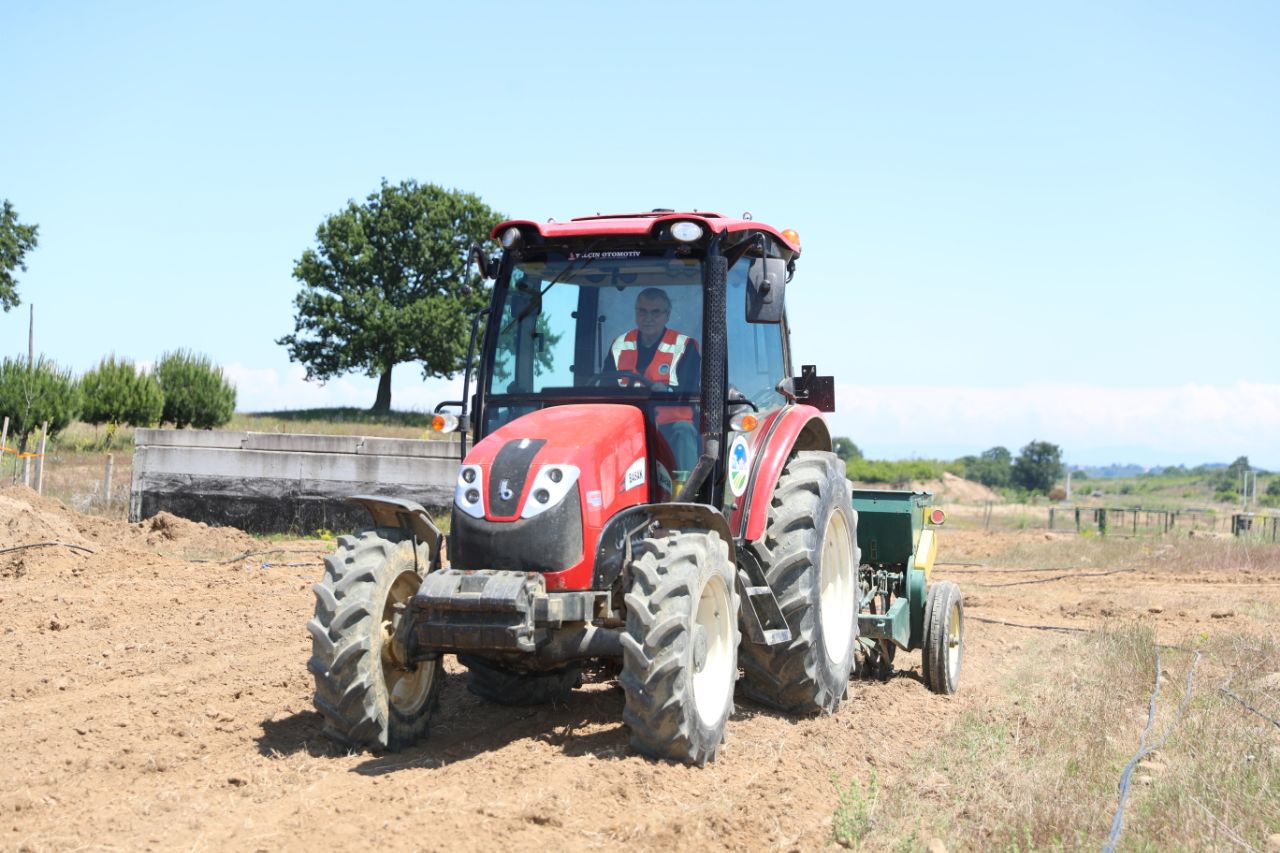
670 350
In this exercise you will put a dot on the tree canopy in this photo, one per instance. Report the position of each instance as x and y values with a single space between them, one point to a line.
31 394
388 283
1038 465
992 468
16 240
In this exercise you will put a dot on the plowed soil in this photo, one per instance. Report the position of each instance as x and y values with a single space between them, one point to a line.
154 695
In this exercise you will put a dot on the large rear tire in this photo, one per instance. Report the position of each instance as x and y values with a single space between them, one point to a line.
495 682
810 557
679 652
368 696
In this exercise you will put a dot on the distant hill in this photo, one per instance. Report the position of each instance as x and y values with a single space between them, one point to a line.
1115 469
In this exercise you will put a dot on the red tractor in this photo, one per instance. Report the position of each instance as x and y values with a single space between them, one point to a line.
649 484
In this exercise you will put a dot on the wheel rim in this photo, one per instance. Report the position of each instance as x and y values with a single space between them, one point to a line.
712 641
407 689
955 633
836 588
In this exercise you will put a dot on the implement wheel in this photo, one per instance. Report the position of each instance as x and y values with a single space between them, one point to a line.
679 652
943 651
810 557
369 696
495 682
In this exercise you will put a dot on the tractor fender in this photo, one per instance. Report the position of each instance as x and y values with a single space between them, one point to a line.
795 428
408 516
620 532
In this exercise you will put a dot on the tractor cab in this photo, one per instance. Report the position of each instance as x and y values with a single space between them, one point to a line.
674 315
575 328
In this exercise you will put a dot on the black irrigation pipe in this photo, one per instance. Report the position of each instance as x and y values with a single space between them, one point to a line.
48 544
1032 627
1006 570
1225 692
1056 578
247 554
1117 823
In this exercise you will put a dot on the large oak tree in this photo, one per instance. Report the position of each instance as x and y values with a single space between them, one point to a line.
388 283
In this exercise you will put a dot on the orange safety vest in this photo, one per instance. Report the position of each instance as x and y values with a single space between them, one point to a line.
662 368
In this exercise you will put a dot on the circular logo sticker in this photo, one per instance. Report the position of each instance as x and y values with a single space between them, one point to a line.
664 369
739 466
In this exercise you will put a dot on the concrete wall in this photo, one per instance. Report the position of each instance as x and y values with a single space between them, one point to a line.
273 482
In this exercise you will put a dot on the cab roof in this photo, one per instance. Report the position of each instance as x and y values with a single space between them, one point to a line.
623 224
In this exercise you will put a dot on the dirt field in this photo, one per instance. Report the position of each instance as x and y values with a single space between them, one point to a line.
154 695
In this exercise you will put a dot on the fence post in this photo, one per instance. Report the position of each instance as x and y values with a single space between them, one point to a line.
1051 511
4 441
106 479
1102 521
1077 519
1135 522
44 437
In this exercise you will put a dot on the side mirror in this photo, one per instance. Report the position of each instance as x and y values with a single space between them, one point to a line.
478 257
766 288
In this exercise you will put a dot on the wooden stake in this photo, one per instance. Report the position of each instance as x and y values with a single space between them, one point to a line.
4 440
44 438
106 479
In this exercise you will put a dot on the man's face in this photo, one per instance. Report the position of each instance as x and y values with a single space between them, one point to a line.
651 316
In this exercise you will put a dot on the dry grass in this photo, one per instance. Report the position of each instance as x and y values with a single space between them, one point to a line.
1166 554
1042 771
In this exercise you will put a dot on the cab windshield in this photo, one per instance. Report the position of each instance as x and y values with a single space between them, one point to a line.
623 323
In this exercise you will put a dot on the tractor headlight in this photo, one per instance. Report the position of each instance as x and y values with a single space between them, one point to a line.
467 494
550 486
510 237
686 232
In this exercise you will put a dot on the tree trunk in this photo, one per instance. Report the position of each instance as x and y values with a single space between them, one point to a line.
383 403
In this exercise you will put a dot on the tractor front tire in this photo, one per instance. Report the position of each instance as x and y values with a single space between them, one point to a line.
679 651
495 682
369 698
943 651
810 557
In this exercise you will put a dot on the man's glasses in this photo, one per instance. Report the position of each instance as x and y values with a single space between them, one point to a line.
652 312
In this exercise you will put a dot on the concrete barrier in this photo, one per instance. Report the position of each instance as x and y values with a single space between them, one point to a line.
282 482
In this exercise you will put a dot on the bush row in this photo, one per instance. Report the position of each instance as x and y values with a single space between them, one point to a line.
185 389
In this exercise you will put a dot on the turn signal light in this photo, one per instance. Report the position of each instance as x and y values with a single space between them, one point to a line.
744 422
444 423
937 516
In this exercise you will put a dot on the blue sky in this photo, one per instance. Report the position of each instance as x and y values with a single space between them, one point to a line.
1019 222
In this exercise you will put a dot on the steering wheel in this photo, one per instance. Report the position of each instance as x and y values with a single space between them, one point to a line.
602 379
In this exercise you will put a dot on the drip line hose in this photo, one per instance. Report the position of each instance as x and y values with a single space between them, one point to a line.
1117 823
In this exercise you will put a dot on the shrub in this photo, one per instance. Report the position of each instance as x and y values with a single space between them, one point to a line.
116 392
32 394
1057 493
195 391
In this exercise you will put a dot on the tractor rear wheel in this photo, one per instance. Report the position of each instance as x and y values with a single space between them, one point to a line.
679 652
810 557
943 651
368 695
495 682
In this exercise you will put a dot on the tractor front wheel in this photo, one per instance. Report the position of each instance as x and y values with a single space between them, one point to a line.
368 695
679 652
943 650
810 557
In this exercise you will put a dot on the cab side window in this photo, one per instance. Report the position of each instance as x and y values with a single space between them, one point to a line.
757 358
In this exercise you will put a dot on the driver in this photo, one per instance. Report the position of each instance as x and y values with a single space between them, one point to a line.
666 358
668 361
